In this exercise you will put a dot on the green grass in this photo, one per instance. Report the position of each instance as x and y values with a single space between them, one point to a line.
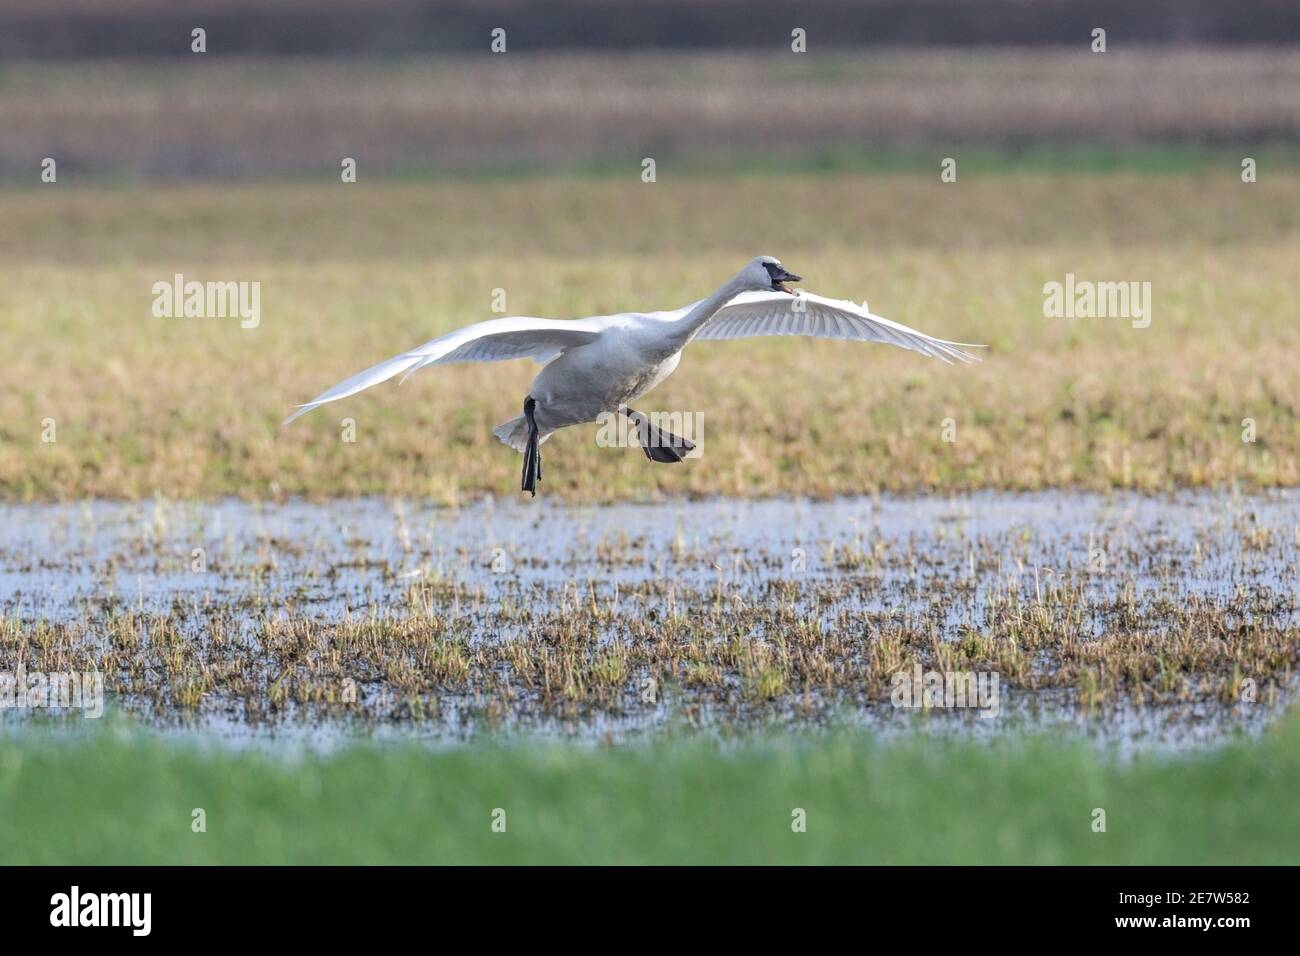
118 798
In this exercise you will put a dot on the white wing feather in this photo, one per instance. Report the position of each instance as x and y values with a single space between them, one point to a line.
753 314
492 341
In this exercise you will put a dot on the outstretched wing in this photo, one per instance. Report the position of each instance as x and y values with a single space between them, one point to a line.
753 314
493 341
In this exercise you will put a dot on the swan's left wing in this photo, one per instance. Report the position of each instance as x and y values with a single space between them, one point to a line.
753 314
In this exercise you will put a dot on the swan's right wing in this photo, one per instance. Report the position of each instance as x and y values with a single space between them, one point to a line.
493 341
753 314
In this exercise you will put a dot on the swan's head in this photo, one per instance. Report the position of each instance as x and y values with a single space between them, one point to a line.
767 274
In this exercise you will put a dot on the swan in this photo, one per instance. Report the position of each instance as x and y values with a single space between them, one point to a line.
597 365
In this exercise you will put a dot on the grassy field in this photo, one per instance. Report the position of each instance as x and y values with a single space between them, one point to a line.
123 800
353 273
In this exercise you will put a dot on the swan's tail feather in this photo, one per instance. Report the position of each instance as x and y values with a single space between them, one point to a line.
513 433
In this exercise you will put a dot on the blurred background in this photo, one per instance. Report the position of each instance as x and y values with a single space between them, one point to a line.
148 27
112 87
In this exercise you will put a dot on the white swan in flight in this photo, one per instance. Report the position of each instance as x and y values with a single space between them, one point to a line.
598 365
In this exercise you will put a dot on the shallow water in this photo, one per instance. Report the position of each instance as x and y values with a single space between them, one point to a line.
949 564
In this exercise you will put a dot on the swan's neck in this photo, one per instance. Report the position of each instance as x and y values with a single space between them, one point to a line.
685 328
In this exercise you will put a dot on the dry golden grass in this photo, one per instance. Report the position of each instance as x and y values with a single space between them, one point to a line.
352 274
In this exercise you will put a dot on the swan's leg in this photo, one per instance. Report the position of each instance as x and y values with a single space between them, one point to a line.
532 452
658 445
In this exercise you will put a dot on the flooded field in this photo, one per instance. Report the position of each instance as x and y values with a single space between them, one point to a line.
1170 620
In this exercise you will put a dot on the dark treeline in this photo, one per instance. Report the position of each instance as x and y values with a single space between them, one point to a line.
89 28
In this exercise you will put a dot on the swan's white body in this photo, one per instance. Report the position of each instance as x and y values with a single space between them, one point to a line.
600 364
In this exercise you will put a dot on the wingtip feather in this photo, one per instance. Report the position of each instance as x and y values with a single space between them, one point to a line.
302 410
